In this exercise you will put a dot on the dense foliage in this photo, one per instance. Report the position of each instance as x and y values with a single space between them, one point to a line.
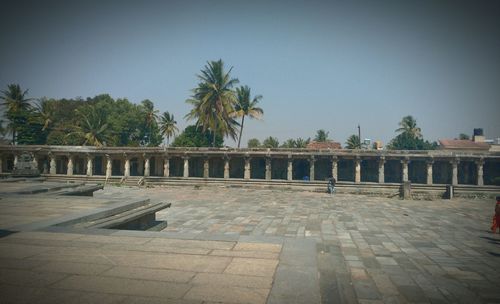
410 137
194 136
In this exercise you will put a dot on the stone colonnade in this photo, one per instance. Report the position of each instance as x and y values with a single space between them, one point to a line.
424 167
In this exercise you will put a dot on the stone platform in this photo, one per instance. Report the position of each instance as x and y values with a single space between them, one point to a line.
245 246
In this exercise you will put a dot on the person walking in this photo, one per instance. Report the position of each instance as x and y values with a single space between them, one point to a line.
496 217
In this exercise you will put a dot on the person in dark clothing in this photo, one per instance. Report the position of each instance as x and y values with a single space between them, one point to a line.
331 185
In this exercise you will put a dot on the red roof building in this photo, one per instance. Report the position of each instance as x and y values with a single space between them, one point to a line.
324 145
460 144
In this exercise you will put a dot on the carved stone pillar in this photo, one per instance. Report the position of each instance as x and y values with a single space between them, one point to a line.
289 173
52 169
70 165
109 166
35 162
226 168
454 171
480 173
381 172
335 171
166 167
357 170
206 168
311 168
404 164
90 165
248 168
268 168
15 159
429 164
127 167
147 169
186 167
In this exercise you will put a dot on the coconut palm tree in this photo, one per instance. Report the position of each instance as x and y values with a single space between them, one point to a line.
17 107
92 127
46 110
168 126
353 142
245 107
213 100
408 125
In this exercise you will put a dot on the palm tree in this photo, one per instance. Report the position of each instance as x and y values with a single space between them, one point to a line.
14 99
150 114
92 127
168 126
245 107
353 142
321 135
408 125
214 100
46 109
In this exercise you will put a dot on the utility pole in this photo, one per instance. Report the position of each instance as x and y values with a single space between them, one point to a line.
359 135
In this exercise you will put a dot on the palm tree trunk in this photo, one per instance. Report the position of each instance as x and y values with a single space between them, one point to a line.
213 140
241 129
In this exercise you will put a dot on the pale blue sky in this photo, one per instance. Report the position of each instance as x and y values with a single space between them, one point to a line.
319 64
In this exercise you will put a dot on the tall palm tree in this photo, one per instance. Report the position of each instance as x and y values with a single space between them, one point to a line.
353 142
214 100
245 107
17 107
92 127
46 110
168 126
408 125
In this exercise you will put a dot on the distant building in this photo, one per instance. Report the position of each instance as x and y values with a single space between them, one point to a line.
377 145
478 143
323 145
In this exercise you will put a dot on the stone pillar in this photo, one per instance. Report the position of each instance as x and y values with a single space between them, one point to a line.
404 163
429 172
166 167
15 159
357 170
35 162
52 169
206 168
147 169
90 165
335 173
109 167
247 168
268 168
454 172
311 168
289 173
186 167
480 179
381 173
1 163
127 167
226 168
70 165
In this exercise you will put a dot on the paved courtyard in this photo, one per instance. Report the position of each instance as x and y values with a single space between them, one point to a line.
233 245
367 249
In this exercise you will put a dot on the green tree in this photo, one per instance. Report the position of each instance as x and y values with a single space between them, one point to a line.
214 101
321 135
168 126
405 141
246 107
45 109
302 143
353 142
463 136
18 107
271 142
253 143
289 143
92 128
408 125
194 136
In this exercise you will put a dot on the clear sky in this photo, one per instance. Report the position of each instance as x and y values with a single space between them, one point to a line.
319 64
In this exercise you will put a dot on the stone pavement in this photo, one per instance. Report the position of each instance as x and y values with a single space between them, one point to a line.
230 245
367 249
